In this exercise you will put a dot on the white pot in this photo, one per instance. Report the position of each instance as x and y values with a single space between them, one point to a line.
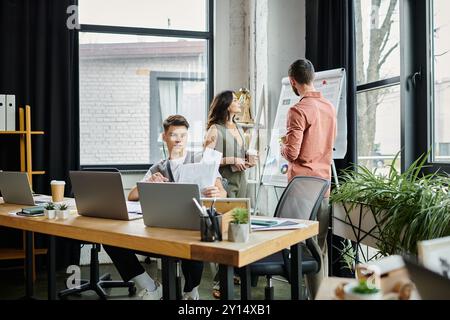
238 232
62 214
350 295
50 214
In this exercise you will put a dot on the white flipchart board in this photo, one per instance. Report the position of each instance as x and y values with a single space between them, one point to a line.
333 85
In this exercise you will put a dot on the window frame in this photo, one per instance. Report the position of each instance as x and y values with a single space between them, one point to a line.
207 35
417 81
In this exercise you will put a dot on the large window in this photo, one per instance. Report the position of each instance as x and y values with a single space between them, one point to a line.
139 62
378 83
441 80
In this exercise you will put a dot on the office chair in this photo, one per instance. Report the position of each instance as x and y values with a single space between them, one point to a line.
300 200
96 282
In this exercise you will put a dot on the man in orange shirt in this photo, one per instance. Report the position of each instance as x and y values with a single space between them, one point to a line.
308 145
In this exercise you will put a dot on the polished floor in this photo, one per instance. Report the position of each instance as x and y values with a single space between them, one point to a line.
12 284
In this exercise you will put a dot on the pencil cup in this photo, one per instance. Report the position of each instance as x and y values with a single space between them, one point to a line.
210 229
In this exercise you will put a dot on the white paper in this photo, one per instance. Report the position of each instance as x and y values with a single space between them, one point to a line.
134 207
203 173
293 224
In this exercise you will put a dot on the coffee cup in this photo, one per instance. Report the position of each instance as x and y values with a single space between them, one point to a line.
252 156
57 190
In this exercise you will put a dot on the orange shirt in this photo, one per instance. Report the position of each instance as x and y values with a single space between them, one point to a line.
311 131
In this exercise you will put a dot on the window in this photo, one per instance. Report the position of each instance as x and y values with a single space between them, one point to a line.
378 83
441 80
133 75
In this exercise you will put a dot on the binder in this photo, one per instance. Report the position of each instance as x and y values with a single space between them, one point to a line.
2 112
10 113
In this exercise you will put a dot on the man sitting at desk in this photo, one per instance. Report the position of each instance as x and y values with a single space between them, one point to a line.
175 136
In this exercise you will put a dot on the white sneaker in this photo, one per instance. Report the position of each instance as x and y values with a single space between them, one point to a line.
156 294
192 295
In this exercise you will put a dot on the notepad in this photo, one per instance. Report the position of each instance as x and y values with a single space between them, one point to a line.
32 211
266 223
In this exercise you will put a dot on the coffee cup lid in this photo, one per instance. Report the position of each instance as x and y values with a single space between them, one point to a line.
58 182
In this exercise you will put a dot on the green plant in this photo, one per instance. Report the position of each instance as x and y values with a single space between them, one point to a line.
348 255
364 288
63 207
409 206
240 216
50 206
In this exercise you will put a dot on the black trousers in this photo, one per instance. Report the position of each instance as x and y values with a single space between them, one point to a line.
128 265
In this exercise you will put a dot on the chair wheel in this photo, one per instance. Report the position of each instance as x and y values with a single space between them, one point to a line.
132 291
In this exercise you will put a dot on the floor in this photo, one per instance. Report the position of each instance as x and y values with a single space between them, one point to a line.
12 284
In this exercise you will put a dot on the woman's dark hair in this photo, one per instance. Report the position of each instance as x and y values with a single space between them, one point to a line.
218 111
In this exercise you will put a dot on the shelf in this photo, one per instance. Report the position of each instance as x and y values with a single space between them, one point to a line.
12 254
22 132
38 172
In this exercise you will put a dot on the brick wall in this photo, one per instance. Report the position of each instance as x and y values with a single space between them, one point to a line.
115 106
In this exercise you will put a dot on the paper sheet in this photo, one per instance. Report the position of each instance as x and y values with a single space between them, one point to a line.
203 173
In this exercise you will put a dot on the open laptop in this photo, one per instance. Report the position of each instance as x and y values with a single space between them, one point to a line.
169 205
100 195
16 189
430 285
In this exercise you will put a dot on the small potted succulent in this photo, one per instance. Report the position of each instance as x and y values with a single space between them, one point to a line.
63 212
49 210
239 229
362 290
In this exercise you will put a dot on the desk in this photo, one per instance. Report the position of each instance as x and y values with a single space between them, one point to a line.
170 243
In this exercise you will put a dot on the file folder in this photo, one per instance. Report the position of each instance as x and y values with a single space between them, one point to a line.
10 113
2 112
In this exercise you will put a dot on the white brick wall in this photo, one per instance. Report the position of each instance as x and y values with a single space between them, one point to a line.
115 107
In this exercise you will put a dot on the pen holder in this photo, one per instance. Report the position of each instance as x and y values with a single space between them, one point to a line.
210 230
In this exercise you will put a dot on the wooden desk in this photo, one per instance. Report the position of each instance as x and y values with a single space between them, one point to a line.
170 243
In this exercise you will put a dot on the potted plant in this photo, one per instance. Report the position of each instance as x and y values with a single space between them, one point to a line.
63 212
361 290
396 210
49 210
239 229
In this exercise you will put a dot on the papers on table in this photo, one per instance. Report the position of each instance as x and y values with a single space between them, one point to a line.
203 173
134 207
267 224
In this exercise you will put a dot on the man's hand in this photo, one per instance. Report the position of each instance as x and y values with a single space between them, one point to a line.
157 177
211 192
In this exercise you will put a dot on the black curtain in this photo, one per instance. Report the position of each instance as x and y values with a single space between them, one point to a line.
330 45
39 64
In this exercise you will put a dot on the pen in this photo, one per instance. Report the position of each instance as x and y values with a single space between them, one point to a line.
202 212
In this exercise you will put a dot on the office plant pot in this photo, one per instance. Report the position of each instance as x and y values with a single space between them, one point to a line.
62 214
238 232
50 214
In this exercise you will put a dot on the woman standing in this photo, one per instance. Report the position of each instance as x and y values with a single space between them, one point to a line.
225 136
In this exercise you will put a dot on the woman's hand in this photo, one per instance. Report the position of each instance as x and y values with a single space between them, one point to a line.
240 164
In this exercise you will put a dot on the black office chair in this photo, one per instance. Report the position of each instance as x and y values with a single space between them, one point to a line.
96 282
300 200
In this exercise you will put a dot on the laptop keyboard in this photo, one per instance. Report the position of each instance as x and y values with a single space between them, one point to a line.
134 208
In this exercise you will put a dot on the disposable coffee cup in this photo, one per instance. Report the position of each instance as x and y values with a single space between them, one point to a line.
252 156
57 190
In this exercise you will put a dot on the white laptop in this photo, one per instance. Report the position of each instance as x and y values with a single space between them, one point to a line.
16 189
100 195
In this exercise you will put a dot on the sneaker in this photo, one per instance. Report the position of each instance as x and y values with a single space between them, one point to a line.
156 294
192 295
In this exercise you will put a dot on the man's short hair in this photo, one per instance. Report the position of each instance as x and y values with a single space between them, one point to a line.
175 120
302 71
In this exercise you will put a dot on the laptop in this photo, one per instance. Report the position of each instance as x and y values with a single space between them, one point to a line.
430 285
169 205
16 189
100 195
